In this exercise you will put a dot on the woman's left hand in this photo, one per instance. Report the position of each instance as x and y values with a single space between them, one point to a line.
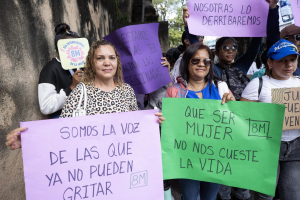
227 97
165 63
161 119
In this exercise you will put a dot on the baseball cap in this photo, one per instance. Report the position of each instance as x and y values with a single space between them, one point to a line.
289 30
281 49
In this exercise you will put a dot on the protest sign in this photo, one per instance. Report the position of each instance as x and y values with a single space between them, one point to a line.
247 18
235 144
295 4
140 53
109 156
290 97
72 52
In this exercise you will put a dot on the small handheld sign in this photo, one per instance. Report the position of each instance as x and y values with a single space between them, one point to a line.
72 52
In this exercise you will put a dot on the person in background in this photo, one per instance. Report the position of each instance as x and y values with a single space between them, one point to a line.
198 81
282 62
256 66
185 44
172 56
55 83
261 72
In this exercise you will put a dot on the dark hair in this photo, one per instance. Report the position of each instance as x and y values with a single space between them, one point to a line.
258 60
172 55
190 52
221 41
62 31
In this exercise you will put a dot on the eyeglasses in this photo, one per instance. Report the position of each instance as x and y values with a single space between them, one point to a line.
226 48
296 37
196 61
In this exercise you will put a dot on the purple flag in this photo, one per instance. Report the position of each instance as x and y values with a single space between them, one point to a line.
140 53
236 18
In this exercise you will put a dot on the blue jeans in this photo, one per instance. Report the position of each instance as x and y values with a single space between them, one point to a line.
239 193
288 174
190 189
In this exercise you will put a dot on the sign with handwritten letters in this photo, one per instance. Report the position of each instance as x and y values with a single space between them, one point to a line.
295 4
290 97
72 52
247 18
235 144
140 53
111 156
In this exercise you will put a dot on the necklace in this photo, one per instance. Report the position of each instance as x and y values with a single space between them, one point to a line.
195 89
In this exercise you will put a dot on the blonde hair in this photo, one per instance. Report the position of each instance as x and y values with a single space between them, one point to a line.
89 70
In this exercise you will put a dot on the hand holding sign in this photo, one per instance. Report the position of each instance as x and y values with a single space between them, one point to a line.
247 18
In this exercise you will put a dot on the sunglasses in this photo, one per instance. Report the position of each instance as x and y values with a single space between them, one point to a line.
196 61
226 48
296 37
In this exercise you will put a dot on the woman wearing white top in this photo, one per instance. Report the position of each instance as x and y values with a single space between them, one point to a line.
282 62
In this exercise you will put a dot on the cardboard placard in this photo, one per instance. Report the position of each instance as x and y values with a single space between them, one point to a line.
72 52
235 144
236 18
290 97
108 156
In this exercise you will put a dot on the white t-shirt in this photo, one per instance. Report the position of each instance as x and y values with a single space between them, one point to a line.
253 68
175 72
251 93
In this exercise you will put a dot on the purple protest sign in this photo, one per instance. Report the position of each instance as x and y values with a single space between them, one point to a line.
111 156
296 11
140 53
247 18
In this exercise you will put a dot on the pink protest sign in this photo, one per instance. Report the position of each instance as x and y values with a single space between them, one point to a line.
111 156
247 18
296 11
140 53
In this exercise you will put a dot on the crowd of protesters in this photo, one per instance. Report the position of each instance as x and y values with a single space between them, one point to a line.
194 74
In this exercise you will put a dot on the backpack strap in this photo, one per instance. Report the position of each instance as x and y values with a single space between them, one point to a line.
260 85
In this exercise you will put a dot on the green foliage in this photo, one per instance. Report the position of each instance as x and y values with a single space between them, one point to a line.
171 11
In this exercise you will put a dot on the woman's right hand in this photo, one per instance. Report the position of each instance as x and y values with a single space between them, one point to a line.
76 78
185 15
13 139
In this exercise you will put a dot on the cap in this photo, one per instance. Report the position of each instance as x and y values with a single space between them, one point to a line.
281 49
289 30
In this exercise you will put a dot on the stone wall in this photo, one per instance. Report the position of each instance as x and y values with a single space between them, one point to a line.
26 44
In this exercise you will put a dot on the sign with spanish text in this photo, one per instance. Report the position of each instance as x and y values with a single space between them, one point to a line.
108 156
72 52
295 4
235 144
140 53
247 18
290 97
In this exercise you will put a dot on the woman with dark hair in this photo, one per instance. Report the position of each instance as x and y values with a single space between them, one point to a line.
55 83
199 81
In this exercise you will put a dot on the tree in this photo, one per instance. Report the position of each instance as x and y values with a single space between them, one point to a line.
166 10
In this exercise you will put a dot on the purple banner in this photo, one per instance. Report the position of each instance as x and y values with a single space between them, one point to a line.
296 11
247 18
140 53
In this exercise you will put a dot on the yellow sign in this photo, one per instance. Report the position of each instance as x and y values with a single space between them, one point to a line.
72 52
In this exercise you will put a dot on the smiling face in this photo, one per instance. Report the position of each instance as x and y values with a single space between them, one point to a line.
226 56
105 62
284 68
200 70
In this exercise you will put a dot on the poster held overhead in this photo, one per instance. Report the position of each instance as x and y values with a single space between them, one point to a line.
295 4
247 18
72 52
140 53
108 156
